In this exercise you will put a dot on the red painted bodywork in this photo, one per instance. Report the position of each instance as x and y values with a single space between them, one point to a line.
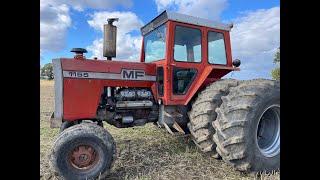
81 96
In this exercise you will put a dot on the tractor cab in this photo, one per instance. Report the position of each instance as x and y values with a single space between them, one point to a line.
188 51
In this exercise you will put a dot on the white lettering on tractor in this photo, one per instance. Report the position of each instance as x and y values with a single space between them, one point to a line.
129 75
132 74
78 74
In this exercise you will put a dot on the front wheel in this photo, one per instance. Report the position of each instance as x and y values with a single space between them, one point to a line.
83 151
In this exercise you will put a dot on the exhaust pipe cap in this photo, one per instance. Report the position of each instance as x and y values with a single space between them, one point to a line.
111 20
79 53
79 50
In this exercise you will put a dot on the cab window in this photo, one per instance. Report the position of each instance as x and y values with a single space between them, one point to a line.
216 48
155 44
187 44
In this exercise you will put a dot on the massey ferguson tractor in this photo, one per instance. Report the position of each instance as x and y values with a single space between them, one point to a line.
176 85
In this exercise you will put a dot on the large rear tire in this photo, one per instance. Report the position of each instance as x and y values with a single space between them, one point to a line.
247 128
203 113
83 151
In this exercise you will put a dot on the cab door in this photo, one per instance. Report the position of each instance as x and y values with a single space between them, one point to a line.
186 61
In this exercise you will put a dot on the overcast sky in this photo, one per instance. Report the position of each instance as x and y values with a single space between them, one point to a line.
65 24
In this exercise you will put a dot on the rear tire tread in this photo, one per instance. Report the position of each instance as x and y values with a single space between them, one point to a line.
203 113
232 121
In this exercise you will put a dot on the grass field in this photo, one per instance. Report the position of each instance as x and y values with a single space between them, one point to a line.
143 152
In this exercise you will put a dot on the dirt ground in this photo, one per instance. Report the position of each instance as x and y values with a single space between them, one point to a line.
144 152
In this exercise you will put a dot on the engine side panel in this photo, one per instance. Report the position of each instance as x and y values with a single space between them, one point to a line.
84 80
80 98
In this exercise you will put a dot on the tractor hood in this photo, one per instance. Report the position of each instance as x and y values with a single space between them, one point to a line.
107 70
81 81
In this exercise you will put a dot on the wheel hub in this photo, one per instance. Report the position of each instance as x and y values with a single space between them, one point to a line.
268 132
83 157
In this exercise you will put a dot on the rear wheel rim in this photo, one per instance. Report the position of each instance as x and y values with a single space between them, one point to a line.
83 157
268 131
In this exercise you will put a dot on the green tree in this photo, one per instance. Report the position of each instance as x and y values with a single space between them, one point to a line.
275 73
47 70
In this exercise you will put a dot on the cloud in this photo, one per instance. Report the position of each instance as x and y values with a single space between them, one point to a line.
255 39
80 5
128 45
163 4
55 19
210 9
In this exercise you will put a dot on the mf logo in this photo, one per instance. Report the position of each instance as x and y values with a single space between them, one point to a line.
132 74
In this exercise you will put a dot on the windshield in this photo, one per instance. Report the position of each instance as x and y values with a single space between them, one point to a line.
155 44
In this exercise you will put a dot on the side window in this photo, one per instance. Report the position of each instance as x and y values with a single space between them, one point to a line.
187 44
160 80
216 48
182 79
155 44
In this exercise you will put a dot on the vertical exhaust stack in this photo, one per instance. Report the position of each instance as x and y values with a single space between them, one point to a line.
110 39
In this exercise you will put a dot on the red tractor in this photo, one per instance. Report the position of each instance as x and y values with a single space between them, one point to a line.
176 85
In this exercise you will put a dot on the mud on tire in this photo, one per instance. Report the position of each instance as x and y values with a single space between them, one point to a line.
83 151
241 139
203 113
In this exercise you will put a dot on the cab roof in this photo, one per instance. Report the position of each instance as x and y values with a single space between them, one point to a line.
167 15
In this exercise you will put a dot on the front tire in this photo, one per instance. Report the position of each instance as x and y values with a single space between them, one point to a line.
247 129
65 125
83 151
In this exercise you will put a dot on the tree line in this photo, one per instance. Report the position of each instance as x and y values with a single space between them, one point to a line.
47 71
275 73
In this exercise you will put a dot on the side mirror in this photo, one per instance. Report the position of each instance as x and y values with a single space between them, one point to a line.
236 62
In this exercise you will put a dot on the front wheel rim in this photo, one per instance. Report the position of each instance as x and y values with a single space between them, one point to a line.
268 131
83 157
